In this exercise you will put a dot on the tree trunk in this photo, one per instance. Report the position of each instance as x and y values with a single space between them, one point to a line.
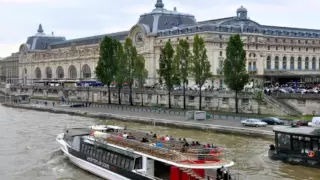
109 95
119 95
169 98
200 99
184 96
236 104
130 94
141 87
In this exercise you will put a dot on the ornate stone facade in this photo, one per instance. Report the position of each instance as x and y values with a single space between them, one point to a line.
273 53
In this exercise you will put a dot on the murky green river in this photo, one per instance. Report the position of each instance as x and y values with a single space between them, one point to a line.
29 151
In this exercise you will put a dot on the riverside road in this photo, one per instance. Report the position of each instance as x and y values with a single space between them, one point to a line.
164 114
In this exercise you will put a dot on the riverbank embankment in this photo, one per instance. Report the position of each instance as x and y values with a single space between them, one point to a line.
208 125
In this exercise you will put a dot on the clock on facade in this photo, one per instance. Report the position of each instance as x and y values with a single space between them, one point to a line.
138 39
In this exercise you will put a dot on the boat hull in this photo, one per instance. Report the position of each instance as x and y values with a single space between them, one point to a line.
101 172
294 160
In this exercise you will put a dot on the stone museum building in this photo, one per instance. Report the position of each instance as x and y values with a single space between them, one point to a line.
274 54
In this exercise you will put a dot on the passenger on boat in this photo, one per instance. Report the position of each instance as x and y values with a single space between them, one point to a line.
208 146
197 143
159 144
144 140
167 138
186 144
125 135
130 136
193 143
171 138
154 135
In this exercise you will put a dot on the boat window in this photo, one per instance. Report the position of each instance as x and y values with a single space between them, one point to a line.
93 152
103 157
107 157
114 160
111 157
119 161
284 141
128 164
315 145
138 163
82 147
123 162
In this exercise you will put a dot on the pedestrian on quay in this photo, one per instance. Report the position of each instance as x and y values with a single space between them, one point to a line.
53 103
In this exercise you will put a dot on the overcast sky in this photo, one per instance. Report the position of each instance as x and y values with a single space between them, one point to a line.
80 18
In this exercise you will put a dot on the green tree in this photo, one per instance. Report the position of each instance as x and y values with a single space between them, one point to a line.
200 65
131 55
182 58
234 69
140 74
167 69
120 77
107 64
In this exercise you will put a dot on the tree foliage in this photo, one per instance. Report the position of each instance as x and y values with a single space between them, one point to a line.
107 64
182 61
131 55
200 65
167 69
140 74
121 73
234 69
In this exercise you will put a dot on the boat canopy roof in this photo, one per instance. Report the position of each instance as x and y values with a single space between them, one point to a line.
77 132
105 127
307 131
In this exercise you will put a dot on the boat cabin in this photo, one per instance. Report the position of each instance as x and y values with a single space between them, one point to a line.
298 142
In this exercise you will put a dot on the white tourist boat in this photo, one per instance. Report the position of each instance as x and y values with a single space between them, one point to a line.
106 152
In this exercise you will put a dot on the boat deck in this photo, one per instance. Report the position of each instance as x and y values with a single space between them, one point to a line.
172 150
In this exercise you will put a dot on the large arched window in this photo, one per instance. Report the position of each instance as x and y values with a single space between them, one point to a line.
86 71
276 62
48 73
292 63
268 62
313 63
37 73
72 72
299 63
284 63
306 63
60 72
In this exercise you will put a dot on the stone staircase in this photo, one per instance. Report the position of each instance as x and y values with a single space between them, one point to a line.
191 173
286 108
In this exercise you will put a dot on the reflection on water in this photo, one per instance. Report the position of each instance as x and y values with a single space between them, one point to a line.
28 149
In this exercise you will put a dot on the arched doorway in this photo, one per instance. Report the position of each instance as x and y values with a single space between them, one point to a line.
48 73
60 72
37 73
86 72
72 72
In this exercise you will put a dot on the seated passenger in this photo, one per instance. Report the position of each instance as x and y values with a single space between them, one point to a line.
159 144
193 143
125 135
130 136
167 138
171 138
154 135
144 140
197 143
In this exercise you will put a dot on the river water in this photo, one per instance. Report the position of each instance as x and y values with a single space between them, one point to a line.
28 150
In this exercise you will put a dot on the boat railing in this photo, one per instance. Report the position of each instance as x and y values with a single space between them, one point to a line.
169 151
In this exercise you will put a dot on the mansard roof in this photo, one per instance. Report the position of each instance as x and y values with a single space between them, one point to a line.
89 40
241 24
161 18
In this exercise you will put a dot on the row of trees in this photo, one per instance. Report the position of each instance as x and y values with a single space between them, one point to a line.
177 66
120 64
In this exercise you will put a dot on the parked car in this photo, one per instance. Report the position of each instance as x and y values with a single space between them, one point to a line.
273 121
253 122
299 123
